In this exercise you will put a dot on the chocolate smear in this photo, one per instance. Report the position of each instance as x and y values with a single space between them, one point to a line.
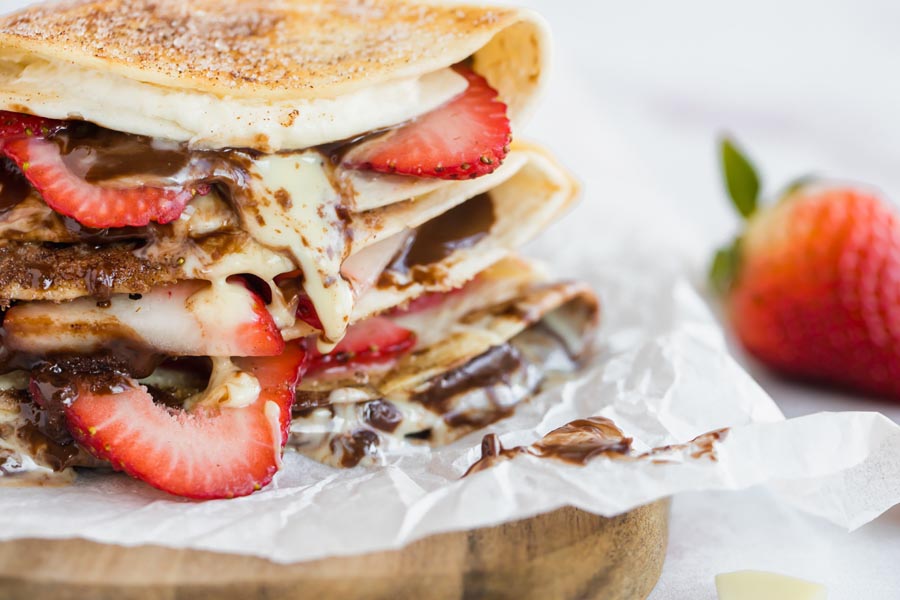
581 440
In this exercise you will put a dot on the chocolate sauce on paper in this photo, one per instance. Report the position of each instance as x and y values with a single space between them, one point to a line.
702 446
581 440
492 453
576 442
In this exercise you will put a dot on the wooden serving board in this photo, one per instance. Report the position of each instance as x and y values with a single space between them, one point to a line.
567 553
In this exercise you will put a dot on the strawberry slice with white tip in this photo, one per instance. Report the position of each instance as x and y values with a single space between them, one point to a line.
93 205
375 340
205 453
463 139
190 318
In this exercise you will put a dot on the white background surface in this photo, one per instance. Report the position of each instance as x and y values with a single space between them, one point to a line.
641 91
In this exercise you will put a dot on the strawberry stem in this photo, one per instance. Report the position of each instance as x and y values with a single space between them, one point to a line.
741 179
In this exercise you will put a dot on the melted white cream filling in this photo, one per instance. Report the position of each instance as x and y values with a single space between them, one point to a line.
228 387
294 208
61 91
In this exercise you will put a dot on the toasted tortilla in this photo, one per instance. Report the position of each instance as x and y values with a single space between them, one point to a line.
258 51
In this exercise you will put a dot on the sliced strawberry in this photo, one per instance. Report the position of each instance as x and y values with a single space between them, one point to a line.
306 311
258 335
18 125
185 319
204 453
467 137
377 339
291 284
428 301
93 205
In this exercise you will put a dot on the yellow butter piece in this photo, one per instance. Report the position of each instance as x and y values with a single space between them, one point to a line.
760 585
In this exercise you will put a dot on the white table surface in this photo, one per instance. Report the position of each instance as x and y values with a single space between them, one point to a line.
641 91
808 87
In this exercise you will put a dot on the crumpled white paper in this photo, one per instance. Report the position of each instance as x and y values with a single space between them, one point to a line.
661 373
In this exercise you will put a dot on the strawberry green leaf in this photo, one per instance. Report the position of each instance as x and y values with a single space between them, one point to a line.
724 267
740 178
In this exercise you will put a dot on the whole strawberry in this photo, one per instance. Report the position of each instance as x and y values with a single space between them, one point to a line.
812 287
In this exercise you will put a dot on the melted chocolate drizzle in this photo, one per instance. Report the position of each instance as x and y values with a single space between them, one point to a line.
354 446
489 369
14 188
45 432
101 155
459 228
382 415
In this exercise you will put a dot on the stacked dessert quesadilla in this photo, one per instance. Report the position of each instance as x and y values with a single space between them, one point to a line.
226 230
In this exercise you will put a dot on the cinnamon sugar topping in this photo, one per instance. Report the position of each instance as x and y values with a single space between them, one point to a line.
250 47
